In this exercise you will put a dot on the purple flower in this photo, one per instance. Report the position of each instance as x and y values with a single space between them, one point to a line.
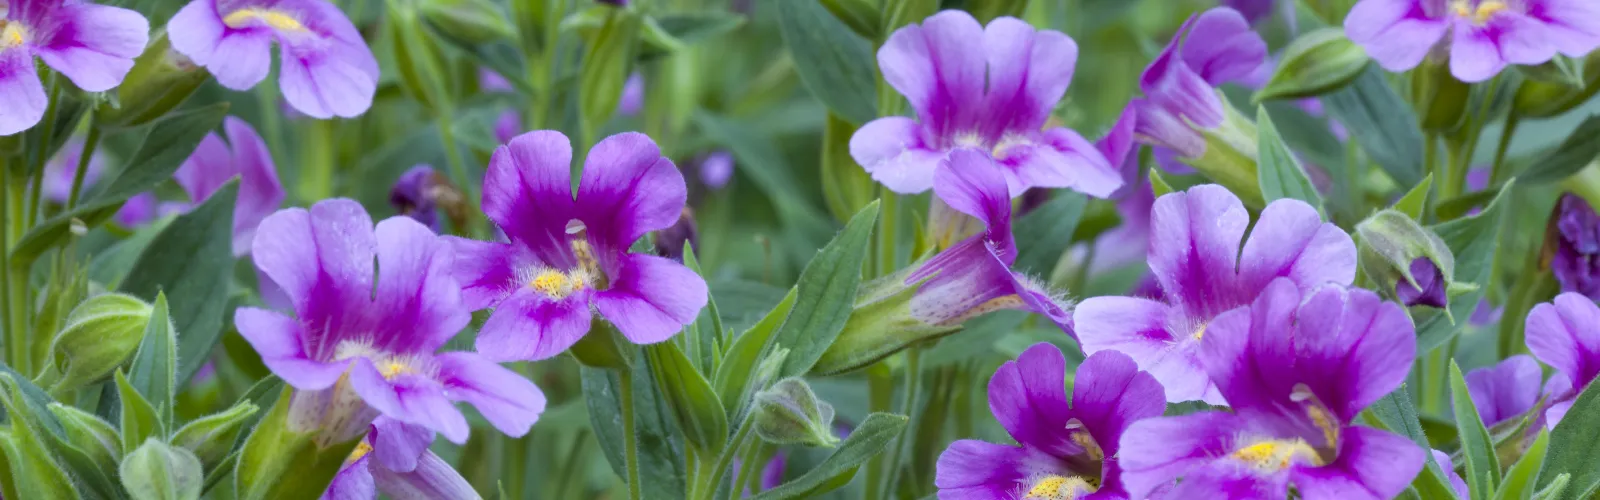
670 242
212 164
327 69
567 257
1297 368
1180 95
507 126
716 169
1506 390
1430 288
1449 466
404 468
1253 10
1577 254
632 99
1195 256
941 67
490 81
771 474
412 196
1483 35
1066 448
92 45
59 171
360 345
974 276
1565 334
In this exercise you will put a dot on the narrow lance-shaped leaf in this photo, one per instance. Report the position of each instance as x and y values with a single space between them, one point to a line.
827 292
1396 413
1574 444
154 367
866 441
1483 467
690 397
1280 174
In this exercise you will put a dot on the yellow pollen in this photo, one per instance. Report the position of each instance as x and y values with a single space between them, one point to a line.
275 19
557 284
1200 332
1487 9
1480 15
1324 421
1058 488
1083 439
362 449
392 369
12 34
1276 455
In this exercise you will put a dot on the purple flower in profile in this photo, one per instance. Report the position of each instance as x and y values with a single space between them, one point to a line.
1449 467
362 343
942 67
327 69
60 171
213 163
1066 448
1195 255
1430 288
1506 390
394 459
412 196
1297 368
1180 96
92 45
568 257
1483 35
670 242
1565 334
632 100
974 276
1576 263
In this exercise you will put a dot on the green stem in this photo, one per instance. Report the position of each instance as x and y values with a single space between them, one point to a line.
747 463
708 489
569 466
908 407
458 168
630 439
1497 169
880 394
887 227
268 102
1432 392
17 281
1430 160
89 145
14 340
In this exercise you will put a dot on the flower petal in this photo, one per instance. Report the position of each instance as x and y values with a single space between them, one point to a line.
971 183
1565 334
966 279
421 302
1058 158
1029 398
892 150
397 445
1456 483
260 193
22 99
1290 240
433 478
939 67
1371 464
281 343
409 398
510 402
628 189
1221 47
323 260
1478 53
527 191
975 470
1169 82
651 298
1505 390
1573 26
1396 33
239 59
94 45
207 169
1194 242
1029 71
1157 451
530 326
1137 327
1109 394
331 73
1227 481
353 482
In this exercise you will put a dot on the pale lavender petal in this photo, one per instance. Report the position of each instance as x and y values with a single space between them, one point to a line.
1565 334
1194 242
1157 451
893 151
1556 412
939 67
975 470
353 482
94 45
1029 71
531 326
205 170
433 479
1573 26
239 59
969 182
967 279
281 342
1449 468
1138 328
327 69
421 303
1506 390
260 193
1290 240
1167 132
628 189
632 99
487 270
507 126
527 191
1119 148
1058 158
410 398
1371 464
1029 399
1477 53
1396 33
1220 480
1221 47
651 298
507 400
491 81
397 445
22 99
1169 83
1254 11
323 260
137 211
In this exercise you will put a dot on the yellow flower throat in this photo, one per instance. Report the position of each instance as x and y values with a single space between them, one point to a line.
275 19
1479 15
12 34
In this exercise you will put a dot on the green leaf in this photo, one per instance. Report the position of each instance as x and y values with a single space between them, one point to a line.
606 66
691 28
832 60
97 438
1043 234
661 453
1473 240
1316 63
734 375
1395 413
139 418
154 367
158 471
191 261
1483 467
867 440
699 337
1574 444
862 16
690 397
170 141
1518 484
34 472
1279 173
1382 123
1416 200
211 437
764 164
1159 184
1579 149
827 292
845 185
37 415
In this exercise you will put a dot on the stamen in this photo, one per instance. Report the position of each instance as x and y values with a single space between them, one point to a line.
1200 332
1055 487
1081 437
1277 454
275 19
12 34
362 449
559 285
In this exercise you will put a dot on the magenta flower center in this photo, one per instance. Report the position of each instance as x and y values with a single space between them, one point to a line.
1053 487
12 34
251 16
1481 13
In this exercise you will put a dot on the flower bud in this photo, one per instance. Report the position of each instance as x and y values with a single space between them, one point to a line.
475 22
159 470
789 413
421 192
97 438
1543 99
161 79
1440 99
670 242
211 438
1315 63
101 334
1575 236
1408 260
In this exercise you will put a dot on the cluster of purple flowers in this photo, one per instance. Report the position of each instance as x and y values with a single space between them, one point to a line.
1480 37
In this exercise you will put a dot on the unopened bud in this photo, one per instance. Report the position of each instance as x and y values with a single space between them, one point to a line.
1407 259
100 335
161 79
159 470
1441 100
1315 63
671 241
96 438
789 413
212 437
1542 99
472 21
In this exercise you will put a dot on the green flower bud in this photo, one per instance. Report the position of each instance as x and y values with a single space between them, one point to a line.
472 21
1440 99
1410 262
1230 156
157 470
1543 99
100 335
1314 64
161 79
95 437
211 438
789 413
